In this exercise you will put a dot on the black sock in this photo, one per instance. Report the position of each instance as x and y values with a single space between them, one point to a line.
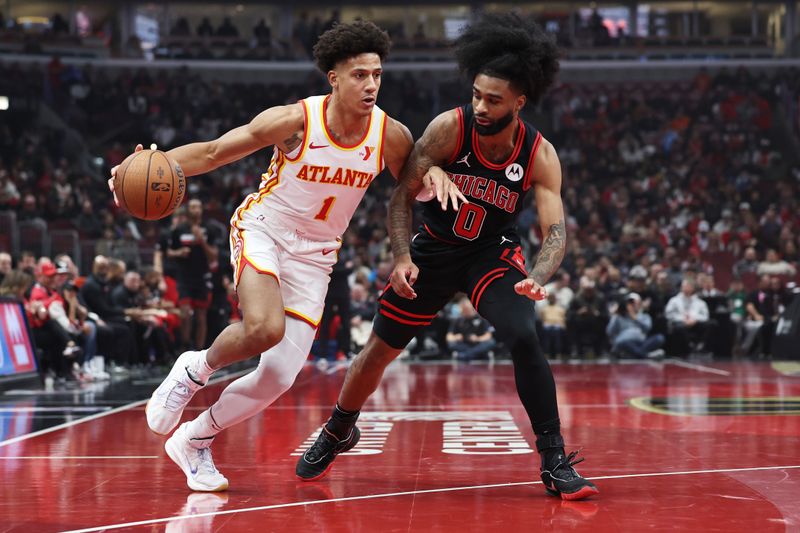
550 446
341 422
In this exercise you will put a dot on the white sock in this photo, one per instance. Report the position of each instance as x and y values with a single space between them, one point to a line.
198 366
203 427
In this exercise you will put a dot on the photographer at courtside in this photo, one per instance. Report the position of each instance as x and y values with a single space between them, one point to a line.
628 330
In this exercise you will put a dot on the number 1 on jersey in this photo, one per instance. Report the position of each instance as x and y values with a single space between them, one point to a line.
327 204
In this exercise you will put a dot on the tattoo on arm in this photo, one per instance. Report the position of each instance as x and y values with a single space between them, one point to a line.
399 223
292 142
402 199
408 185
551 254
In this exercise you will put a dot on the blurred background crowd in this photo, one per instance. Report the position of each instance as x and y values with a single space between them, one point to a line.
681 197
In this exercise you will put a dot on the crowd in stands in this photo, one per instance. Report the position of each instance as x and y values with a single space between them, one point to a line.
681 201
226 38
130 317
210 39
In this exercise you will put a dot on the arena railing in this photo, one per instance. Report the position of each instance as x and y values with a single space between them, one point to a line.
571 70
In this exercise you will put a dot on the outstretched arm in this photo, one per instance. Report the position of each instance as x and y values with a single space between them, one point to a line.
547 187
280 125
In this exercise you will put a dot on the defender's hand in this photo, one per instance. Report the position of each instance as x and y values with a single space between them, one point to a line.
138 148
531 289
403 277
443 187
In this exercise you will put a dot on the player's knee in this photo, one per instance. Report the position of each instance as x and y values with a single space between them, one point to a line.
276 379
518 333
262 333
278 371
285 382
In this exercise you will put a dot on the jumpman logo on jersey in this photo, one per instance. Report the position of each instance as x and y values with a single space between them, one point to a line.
503 239
465 160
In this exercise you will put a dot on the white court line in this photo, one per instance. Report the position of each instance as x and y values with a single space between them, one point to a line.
69 424
67 457
106 413
408 493
699 368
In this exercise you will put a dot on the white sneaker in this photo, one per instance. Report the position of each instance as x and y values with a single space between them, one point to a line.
166 405
196 463
97 368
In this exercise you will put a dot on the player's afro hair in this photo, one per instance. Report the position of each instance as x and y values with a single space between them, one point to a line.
512 48
344 41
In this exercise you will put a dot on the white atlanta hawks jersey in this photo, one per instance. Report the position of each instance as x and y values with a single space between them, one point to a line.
317 187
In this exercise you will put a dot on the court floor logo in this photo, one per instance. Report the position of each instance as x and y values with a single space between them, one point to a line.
704 406
463 432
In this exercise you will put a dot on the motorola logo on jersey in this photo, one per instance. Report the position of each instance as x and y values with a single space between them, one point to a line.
514 172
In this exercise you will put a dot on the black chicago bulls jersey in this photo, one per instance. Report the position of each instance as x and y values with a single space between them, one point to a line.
495 191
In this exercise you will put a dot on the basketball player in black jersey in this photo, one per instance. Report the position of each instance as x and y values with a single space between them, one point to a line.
494 158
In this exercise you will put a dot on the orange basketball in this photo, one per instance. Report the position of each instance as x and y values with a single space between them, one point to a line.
149 184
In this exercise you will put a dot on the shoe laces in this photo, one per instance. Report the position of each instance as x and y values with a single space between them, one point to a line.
564 468
324 444
205 462
178 395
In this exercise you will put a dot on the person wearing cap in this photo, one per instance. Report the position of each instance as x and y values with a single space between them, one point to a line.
72 316
629 328
44 290
637 281
58 346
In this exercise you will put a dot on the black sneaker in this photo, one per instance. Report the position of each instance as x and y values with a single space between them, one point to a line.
562 479
317 460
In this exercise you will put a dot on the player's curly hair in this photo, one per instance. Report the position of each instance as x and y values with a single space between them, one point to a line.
345 40
512 48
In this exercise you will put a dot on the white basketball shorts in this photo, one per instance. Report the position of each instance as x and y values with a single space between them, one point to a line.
302 267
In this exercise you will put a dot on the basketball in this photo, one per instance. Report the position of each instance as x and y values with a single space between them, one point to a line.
149 184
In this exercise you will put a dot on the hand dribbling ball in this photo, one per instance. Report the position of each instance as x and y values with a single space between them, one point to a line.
149 184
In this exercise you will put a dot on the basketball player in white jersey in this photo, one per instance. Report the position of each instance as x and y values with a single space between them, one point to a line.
284 238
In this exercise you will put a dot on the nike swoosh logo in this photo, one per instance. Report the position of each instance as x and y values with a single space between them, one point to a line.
192 470
328 251
314 147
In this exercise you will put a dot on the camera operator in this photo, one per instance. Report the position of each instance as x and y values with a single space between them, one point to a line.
628 330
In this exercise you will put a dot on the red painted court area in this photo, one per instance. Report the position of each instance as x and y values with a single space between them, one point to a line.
672 446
